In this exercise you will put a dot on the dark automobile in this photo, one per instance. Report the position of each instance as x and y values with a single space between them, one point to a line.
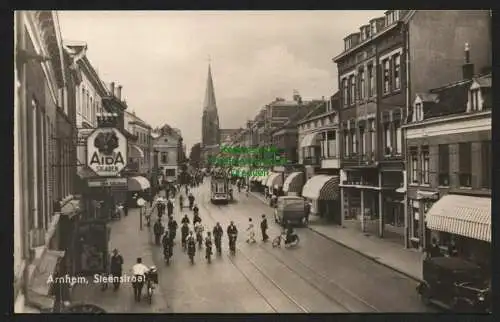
455 284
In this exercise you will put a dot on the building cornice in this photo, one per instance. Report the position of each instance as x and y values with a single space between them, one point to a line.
448 119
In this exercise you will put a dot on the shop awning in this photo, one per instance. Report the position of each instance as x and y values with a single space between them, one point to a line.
85 172
138 183
38 289
275 180
263 179
71 208
461 215
322 187
294 182
309 140
135 152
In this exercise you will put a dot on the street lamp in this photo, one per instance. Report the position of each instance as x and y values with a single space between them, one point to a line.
140 202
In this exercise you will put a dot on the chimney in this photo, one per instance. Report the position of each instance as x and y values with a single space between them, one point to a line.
112 88
119 92
468 67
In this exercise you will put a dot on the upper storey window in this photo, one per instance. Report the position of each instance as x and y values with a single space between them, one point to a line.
347 43
391 16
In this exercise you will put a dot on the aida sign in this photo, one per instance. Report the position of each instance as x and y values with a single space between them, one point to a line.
107 151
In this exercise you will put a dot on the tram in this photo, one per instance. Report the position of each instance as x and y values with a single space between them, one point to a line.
220 189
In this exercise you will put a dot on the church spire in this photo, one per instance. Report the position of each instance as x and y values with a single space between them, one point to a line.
209 104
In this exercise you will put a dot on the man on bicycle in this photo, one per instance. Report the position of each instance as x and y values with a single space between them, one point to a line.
167 245
232 233
184 233
218 232
172 227
139 270
185 220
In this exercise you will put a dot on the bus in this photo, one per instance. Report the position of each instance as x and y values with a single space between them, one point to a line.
220 189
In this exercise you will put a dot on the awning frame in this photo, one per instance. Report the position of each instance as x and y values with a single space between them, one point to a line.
309 140
138 182
314 187
290 182
271 180
136 148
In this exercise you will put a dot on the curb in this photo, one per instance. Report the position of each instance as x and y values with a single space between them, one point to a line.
355 250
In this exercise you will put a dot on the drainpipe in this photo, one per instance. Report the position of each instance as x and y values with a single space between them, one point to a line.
408 93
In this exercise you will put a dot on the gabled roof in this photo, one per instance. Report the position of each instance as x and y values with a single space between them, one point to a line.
319 108
483 81
451 99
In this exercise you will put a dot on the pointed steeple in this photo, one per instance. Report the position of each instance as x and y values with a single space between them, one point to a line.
210 104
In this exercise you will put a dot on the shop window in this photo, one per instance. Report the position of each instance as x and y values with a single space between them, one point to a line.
170 172
465 164
444 165
415 224
396 216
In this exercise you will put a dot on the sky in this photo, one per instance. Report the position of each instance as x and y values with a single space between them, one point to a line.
161 58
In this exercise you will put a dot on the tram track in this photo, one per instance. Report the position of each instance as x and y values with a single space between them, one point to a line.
322 277
257 267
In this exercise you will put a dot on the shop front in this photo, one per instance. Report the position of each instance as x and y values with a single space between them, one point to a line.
324 194
418 204
463 223
293 184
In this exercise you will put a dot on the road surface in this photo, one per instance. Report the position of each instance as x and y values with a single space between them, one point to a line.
317 276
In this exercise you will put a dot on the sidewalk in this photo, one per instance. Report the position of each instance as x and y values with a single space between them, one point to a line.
390 254
132 243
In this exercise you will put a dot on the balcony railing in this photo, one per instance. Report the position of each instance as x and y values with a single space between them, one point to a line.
311 160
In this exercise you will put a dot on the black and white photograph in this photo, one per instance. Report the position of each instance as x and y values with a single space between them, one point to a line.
287 161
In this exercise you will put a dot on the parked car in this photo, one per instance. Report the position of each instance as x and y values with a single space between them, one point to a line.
455 284
290 209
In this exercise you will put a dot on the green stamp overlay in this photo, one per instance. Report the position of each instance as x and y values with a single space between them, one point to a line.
247 156
250 173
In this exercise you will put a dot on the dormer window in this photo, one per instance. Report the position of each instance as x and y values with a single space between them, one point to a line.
419 112
373 28
474 100
348 43
396 14
388 18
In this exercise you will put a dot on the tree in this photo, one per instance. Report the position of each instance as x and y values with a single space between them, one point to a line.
195 155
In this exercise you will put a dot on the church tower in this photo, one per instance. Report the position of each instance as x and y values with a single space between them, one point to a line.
210 129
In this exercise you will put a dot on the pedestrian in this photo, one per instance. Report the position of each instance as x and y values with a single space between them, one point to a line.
170 207
250 232
158 230
263 228
307 210
139 270
116 268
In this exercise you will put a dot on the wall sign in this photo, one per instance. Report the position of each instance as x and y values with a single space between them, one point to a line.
107 152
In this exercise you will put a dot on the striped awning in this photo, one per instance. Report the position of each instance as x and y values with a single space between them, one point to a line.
138 183
322 187
309 140
461 215
136 152
294 182
274 179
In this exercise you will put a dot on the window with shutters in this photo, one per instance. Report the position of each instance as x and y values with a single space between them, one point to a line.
465 164
486 164
424 154
371 80
397 71
413 165
387 75
345 89
399 138
362 85
332 143
346 144
354 142
352 94
444 164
